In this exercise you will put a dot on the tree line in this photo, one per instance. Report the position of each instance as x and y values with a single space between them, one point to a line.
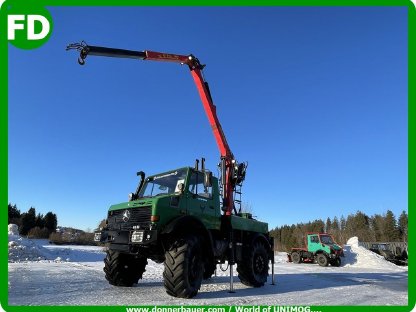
32 224
376 228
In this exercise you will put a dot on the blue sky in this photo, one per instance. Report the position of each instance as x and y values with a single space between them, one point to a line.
315 99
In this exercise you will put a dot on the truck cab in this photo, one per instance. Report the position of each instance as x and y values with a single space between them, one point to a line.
162 198
321 241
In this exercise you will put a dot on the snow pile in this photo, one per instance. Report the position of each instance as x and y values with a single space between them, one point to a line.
76 253
13 229
39 250
23 249
358 256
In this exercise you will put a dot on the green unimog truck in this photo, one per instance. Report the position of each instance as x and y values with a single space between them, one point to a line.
320 248
175 218
186 218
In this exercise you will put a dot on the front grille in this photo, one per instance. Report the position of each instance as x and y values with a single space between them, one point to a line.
138 216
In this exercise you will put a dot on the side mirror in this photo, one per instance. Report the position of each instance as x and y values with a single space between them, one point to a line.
207 178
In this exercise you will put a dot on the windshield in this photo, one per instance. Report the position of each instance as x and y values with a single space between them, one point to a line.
164 184
325 239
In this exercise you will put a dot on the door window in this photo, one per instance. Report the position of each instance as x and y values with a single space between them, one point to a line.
196 185
314 239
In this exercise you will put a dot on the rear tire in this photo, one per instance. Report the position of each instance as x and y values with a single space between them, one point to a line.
322 260
123 269
296 257
184 268
254 268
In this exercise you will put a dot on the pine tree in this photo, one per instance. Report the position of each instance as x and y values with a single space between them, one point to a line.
51 222
286 234
39 221
316 226
28 220
328 225
342 229
292 240
350 227
275 233
13 214
335 224
335 231
362 227
378 225
358 225
390 228
403 221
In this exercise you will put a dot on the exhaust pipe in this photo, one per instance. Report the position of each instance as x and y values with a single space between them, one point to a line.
196 164
142 176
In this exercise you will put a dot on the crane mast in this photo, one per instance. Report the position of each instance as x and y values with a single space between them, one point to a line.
232 172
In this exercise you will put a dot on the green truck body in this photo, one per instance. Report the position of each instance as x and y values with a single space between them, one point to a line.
178 205
320 248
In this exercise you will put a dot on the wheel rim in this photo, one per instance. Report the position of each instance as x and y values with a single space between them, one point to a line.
321 260
295 257
194 269
259 264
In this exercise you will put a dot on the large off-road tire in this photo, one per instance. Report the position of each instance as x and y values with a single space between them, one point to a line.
322 260
123 269
184 267
254 268
336 262
296 257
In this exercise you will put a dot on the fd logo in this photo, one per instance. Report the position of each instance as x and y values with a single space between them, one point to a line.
28 26
17 22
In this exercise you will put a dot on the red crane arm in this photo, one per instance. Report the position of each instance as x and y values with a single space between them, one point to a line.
211 111
228 163
203 90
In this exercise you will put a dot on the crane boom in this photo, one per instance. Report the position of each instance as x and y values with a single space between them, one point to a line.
232 173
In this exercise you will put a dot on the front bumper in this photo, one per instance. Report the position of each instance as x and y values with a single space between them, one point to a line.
133 237
336 254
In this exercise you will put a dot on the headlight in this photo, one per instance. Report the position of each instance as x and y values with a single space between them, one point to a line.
97 236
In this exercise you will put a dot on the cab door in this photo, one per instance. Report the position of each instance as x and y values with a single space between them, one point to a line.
200 201
313 243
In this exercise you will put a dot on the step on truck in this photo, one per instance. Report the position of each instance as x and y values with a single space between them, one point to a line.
320 248
186 218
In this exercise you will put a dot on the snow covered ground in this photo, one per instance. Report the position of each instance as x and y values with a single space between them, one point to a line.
44 274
